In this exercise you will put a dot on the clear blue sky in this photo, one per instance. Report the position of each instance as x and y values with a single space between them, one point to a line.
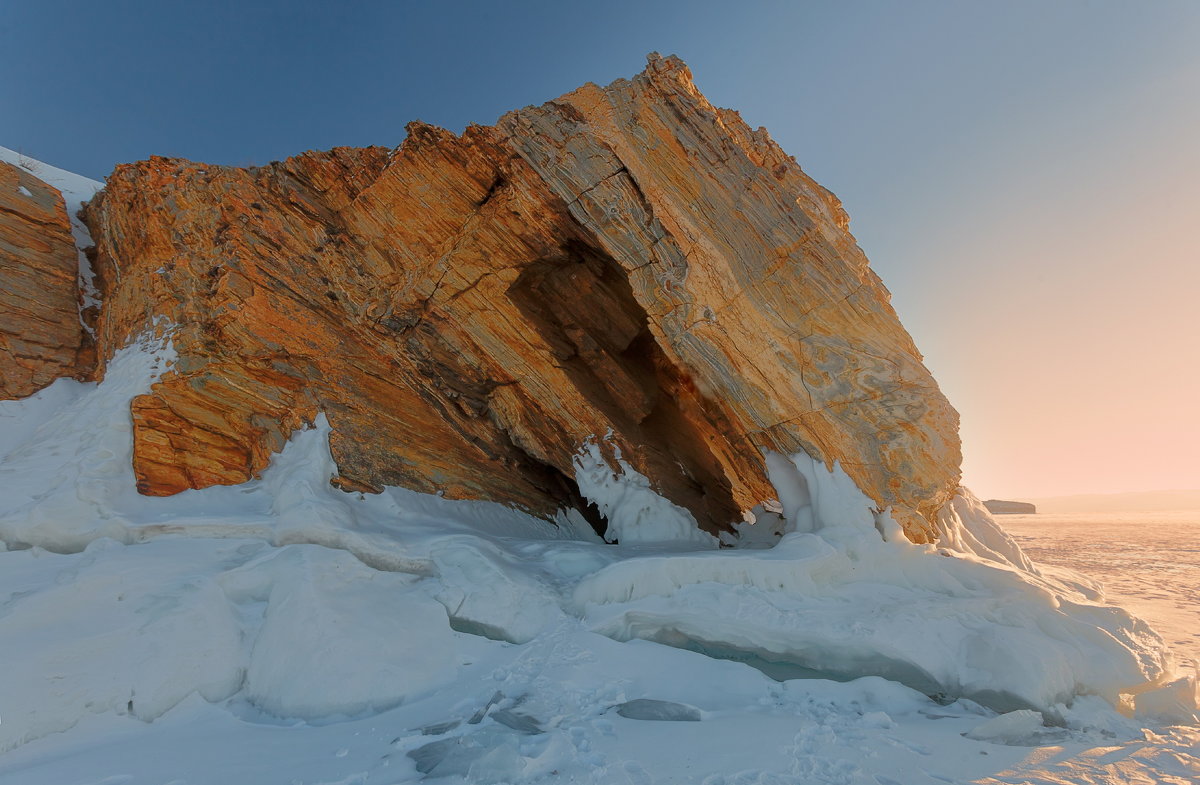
1011 168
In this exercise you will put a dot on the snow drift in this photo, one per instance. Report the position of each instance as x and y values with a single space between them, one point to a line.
301 601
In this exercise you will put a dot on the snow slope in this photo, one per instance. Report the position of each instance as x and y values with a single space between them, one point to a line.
285 631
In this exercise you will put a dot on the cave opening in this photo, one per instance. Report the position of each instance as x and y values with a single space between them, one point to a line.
582 304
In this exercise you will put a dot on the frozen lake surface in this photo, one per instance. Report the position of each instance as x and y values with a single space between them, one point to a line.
1148 562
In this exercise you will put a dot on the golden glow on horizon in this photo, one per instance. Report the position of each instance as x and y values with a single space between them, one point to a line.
1076 351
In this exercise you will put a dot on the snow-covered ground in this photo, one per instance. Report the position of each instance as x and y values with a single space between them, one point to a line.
283 631
1149 562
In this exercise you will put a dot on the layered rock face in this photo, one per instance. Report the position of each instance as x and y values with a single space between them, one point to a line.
41 337
627 263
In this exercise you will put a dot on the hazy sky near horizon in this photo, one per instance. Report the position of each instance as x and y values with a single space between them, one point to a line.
1025 176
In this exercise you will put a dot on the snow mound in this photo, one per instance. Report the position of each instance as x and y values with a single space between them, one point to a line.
816 498
112 629
68 474
966 526
327 648
1174 702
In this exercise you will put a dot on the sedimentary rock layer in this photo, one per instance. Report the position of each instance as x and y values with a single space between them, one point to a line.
469 309
40 332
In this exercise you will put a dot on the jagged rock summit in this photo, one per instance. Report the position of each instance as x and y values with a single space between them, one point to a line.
626 271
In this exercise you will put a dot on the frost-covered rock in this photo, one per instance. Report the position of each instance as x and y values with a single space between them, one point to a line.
468 309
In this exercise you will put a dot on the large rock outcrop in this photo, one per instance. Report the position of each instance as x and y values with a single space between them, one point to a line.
469 310
41 337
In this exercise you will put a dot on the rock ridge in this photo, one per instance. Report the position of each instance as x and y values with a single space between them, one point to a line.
469 309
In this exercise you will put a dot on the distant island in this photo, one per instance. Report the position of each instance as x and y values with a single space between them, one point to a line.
1000 507
1136 501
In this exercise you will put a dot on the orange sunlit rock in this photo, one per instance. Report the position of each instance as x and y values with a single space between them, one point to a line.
468 309
41 338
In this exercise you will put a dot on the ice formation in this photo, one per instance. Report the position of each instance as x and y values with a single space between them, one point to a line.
844 594
493 646
635 513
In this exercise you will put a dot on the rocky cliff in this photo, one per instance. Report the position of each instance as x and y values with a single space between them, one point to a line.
626 264
41 336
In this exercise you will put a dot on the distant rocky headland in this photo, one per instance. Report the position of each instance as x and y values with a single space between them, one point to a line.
1001 507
